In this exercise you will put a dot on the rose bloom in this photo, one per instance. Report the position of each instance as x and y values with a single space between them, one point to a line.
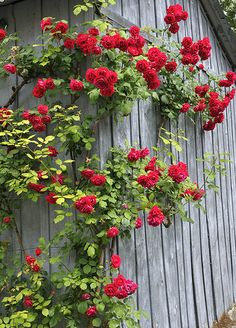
61 27
133 155
43 109
87 173
138 223
51 198
38 92
38 251
112 232
98 180
46 23
35 267
134 30
185 107
36 186
10 68
3 34
110 290
7 219
85 297
49 84
93 31
107 92
119 280
178 172
92 311
76 85
171 66
69 43
115 261
58 178
174 28
46 119
27 302
52 151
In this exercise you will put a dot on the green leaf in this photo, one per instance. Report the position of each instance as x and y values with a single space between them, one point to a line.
82 307
45 312
97 322
83 286
91 251
87 269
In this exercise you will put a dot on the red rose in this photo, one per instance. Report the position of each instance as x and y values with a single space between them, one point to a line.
174 28
184 15
108 42
46 119
209 125
38 92
151 166
153 85
171 66
178 172
36 186
98 180
39 127
119 280
185 108
61 27
43 109
133 155
101 82
134 30
107 92
27 302
10 68
142 65
110 290
69 43
85 297
49 84
144 152
46 24
90 75
51 198
30 259
112 77
3 34
155 216
7 219
93 31
87 173
38 251
86 204
201 66
231 76
97 50
92 311
26 115
112 232
169 19
138 223
36 268
52 151
115 261
58 178
76 85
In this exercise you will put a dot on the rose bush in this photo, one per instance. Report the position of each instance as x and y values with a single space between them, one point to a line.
100 204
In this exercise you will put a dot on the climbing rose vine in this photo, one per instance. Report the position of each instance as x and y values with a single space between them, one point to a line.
46 154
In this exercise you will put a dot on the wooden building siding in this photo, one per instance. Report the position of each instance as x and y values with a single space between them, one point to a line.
187 273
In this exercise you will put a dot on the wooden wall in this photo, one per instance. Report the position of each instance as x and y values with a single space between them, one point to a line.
186 273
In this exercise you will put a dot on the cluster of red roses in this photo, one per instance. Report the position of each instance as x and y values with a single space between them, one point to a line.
86 204
32 262
38 122
149 180
95 179
56 29
135 154
133 44
178 172
155 216
192 52
5 113
149 69
103 79
230 80
174 15
196 193
42 86
120 287
87 42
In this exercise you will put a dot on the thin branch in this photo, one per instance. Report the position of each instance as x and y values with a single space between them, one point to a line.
14 95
